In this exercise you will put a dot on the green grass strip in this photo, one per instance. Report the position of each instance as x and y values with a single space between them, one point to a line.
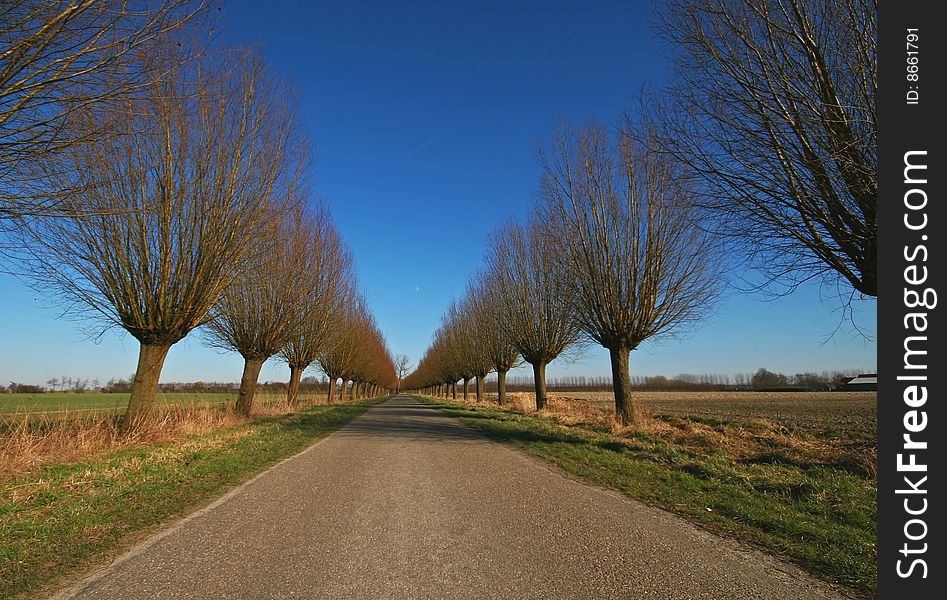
821 517
57 520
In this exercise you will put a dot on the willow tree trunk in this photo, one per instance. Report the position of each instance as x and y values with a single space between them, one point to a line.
453 390
292 392
621 384
251 373
331 394
145 385
466 388
501 387
352 392
480 387
539 384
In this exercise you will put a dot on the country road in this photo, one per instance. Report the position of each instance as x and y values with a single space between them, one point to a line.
405 502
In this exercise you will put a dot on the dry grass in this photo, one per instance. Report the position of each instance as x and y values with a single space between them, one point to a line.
805 428
849 412
29 441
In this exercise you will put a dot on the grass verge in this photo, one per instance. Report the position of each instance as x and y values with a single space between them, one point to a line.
823 517
57 520
49 403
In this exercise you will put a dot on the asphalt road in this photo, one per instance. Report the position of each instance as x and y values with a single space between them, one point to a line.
405 502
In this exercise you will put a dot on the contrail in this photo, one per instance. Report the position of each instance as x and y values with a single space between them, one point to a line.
425 144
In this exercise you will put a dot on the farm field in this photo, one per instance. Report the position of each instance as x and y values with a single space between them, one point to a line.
846 414
63 403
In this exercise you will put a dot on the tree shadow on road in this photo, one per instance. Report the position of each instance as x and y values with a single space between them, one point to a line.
410 421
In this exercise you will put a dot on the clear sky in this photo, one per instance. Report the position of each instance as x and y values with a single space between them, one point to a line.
426 118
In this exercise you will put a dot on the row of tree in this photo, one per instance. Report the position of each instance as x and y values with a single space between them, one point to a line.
157 182
613 253
72 384
763 146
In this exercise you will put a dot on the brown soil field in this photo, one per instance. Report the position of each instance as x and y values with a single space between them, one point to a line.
844 413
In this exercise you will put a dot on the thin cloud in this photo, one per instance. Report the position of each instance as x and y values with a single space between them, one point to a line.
425 144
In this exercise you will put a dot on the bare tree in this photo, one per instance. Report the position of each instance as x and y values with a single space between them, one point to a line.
534 296
493 336
62 55
466 355
402 368
377 368
257 314
371 366
774 111
177 203
638 262
437 367
472 326
339 358
326 262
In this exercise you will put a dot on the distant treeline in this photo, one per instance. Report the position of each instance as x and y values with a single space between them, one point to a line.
306 384
761 380
123 386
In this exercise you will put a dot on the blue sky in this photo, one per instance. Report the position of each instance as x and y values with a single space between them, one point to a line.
426 118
